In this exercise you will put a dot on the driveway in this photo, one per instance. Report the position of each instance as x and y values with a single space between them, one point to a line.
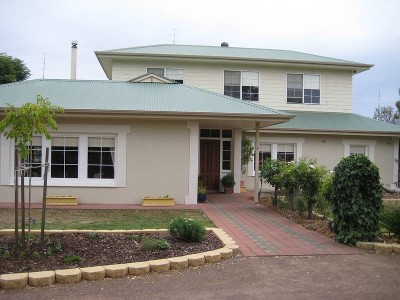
365 276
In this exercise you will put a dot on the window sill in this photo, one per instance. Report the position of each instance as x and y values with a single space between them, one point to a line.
73 183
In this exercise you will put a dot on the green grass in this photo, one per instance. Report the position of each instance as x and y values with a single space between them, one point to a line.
104 219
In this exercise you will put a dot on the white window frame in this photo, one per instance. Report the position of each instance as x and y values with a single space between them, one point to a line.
298 151
304 74
370 147
165 72
119 132
241 83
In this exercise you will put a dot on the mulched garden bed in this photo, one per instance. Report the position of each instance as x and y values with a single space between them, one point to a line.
96 250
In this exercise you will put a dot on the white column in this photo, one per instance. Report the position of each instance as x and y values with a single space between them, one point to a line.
237 160
194 138
257 166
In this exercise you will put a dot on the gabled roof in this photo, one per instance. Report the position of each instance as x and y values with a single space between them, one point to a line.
333 122
228 53
105 96
152 78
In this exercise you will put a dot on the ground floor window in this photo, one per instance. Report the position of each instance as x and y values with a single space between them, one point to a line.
358 149
286 152
101 157
94 158
364 147
286 149
35 151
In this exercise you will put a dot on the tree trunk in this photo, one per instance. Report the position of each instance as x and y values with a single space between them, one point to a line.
16 175
275 199
46 168
309 204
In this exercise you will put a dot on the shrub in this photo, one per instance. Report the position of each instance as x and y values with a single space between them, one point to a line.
149 244
357 200
309 177
187 230
91 235
136 238
390 220
271 172
300 205
71 259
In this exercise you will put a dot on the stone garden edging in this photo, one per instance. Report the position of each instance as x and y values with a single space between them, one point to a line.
46 278
382 247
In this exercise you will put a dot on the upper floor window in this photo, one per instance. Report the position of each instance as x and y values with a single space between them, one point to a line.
241 84
303 88
174 74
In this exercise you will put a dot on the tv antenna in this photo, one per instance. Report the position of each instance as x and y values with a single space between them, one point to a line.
174 40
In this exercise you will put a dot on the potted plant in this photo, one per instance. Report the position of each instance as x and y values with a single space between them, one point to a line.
228 182
201 192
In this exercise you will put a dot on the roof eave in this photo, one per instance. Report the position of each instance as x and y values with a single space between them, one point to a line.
357 67
332 132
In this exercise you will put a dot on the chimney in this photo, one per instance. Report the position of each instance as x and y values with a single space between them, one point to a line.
74 52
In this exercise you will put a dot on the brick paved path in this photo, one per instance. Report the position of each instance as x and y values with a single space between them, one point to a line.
260 231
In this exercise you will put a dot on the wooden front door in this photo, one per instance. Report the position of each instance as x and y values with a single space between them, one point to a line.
209 164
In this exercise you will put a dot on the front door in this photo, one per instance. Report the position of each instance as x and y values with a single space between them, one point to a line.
209 164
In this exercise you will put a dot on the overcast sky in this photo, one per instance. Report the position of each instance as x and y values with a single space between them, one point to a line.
362 31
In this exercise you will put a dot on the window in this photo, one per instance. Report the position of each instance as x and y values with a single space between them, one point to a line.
226 155
210 133
358 149
174 74
36 152
264 153
64 157
285 152
364 147
242 85
101 154
303 88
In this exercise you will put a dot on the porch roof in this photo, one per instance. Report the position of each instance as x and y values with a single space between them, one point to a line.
335 122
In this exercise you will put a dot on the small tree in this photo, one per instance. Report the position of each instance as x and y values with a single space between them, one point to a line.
289 182
386 114
272 171
247 153
309 176
21 124
357 200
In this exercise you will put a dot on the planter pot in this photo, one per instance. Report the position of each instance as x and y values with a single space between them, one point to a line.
201 198
158 201
228 190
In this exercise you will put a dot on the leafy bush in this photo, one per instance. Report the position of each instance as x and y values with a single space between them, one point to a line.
390 220
357 200
271 172
149 244
187 230
71 259
136 238
290 183
228 180
300 205
247 153
309 177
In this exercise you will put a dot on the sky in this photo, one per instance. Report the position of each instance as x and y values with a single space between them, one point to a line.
362 31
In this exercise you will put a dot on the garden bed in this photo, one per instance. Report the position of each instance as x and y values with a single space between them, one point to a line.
94 250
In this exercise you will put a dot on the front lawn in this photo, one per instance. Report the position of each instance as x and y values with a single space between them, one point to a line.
57 218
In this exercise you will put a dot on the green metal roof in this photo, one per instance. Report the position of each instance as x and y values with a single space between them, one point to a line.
108 96
232 52
335 122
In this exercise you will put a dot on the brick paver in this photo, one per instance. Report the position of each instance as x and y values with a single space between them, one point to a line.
259 231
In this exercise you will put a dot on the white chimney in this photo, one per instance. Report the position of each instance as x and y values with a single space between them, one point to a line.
74 53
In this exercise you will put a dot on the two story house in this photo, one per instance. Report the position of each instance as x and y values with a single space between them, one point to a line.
171 113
